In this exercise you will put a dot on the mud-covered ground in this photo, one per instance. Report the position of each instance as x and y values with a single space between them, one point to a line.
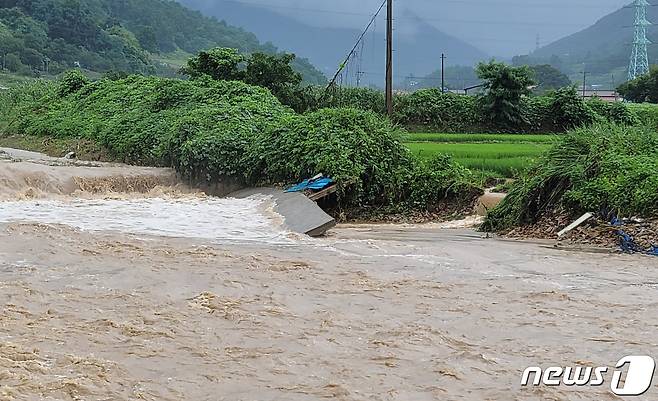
167 295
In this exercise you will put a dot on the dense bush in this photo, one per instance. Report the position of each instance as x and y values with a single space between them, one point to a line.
642 89
72 82
441 111
211 130
537 114
569 110
645 113
609 169
358 98
141 119
616 112
429 109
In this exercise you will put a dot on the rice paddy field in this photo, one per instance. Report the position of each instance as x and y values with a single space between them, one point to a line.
502 155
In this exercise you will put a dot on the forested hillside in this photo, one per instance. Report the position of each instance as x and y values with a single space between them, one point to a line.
50 36
603 49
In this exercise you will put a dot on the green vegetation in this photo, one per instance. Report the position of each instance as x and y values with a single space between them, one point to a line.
505 159
9 80
504 86
646 114
272 72
608 169
546 76
44 37
480 138
215 130
555 112
642 89
549 78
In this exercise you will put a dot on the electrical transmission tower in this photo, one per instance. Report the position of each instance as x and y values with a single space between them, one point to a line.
639 64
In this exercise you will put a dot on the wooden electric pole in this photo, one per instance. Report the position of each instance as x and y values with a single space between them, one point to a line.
443 75
585 84
389 57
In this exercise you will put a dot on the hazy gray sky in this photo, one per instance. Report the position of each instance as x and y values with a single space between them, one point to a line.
499 27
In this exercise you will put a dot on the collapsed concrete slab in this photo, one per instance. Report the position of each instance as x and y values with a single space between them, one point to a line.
300 214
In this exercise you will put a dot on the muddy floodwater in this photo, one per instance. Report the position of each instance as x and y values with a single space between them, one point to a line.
167 294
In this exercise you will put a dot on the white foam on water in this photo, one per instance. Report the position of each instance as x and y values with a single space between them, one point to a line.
215 219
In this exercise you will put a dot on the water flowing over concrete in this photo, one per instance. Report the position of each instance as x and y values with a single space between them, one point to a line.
159 292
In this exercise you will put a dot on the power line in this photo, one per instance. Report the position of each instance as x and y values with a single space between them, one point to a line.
570 5
443 20
356 45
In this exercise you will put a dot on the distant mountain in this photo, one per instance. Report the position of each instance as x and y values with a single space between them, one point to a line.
602 47
418 50
49 36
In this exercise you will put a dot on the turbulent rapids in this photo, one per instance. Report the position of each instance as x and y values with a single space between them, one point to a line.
120 283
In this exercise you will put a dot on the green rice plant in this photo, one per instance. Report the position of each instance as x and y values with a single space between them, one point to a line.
477 150
505 159
480 138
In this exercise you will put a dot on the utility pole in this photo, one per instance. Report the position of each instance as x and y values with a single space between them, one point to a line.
389 57
359 74
584 83
443 75
538 43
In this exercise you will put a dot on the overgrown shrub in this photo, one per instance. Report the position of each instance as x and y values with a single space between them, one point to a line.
646 113
359 149
616 112
570 110
71 82
537 114
211 130
436 179
367 99
606 168
441 111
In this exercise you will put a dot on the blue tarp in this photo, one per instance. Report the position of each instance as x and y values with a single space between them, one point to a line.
313 185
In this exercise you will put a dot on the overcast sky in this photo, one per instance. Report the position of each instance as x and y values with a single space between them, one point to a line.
499 27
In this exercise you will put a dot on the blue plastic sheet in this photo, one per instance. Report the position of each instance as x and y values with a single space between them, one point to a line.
313 185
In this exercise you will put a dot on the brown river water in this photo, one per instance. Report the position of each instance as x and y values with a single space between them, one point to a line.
117 284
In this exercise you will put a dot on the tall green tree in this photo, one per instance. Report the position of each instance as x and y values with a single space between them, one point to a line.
549 78
642 89
504 86
274 72
221 64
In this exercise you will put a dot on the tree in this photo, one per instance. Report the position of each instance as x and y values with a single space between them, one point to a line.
222 64
549 77
8 44
642 89
13 63
504 87
32 58
274 73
